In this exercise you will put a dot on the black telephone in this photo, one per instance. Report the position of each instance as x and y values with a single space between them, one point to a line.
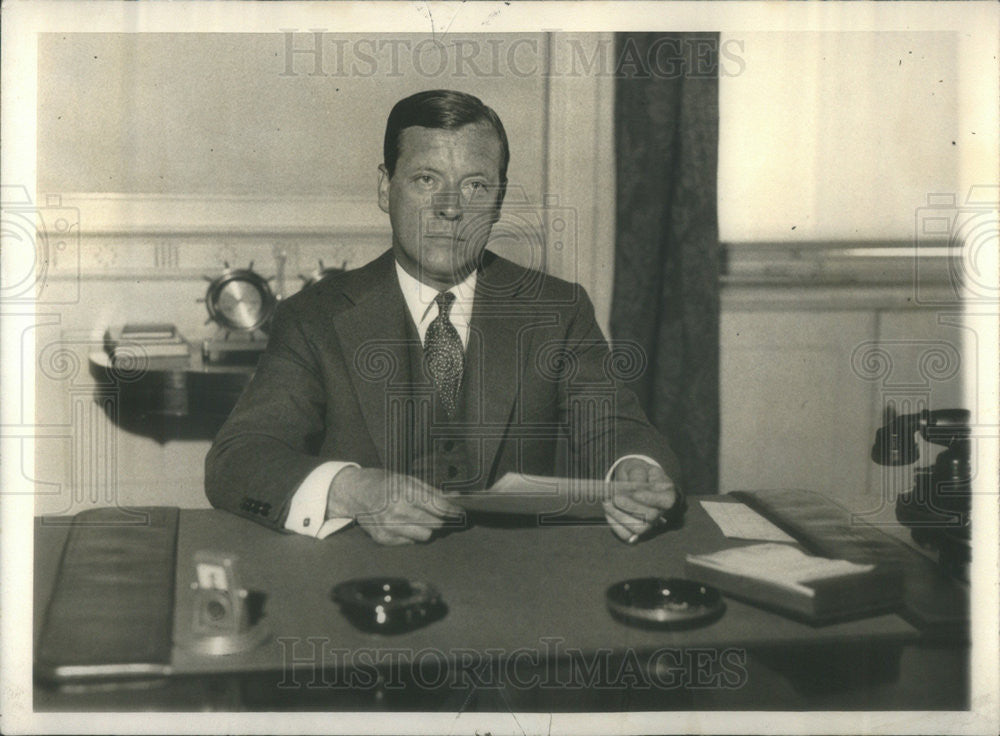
937 508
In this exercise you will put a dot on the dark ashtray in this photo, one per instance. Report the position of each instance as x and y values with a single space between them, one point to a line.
388 605
664 603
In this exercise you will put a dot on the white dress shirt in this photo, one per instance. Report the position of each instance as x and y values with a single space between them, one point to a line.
307 512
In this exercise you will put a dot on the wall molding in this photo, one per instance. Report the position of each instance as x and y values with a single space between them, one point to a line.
176 215
837 275
116 236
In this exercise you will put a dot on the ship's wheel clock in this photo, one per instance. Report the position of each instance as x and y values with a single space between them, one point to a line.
321 272
240 302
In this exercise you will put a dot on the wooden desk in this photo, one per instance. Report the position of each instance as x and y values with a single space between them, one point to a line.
531 596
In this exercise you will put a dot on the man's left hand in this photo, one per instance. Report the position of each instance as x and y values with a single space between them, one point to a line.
642 505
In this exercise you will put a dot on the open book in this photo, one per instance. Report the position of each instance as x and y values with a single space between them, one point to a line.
785 578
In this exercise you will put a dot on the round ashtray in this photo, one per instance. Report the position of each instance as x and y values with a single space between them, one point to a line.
664 603
388 605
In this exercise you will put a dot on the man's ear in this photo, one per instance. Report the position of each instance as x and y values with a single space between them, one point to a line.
383 188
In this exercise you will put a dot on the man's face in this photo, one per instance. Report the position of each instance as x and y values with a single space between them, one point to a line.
442 200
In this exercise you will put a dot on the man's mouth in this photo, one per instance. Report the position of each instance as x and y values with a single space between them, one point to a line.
452 236
441 230
444 236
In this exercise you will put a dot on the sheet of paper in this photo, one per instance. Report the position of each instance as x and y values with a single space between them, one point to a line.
738 521
531 495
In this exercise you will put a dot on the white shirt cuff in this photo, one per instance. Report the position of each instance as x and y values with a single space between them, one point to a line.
307 512
619 461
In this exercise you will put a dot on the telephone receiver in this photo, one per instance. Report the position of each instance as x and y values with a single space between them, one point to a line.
895 443
937 507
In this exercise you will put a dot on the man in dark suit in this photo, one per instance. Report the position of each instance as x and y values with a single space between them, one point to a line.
436 368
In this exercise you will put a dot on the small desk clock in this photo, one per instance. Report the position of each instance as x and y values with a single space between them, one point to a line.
241 303
222 621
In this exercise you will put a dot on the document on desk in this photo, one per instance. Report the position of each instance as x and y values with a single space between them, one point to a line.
784 577
533 495
738 521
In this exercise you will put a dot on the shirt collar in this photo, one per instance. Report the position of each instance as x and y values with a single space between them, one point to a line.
423 309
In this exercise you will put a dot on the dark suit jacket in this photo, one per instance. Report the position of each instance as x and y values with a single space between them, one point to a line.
540 376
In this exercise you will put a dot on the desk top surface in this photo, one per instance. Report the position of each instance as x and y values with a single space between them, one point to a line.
505 588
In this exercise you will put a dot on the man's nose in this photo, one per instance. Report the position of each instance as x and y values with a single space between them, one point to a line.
447 205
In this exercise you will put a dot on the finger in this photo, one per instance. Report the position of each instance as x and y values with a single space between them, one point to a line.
430 500
384 537
627 487
434 517
444 507
633 524
632 506
659 499
391 540
638 473
416 532
657 475
624 470
399 514
404 515
620 531
406 532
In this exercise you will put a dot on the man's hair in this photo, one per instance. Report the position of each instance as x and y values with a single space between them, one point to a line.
440 108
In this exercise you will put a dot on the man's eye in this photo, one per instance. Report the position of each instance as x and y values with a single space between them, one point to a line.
476 187
425 179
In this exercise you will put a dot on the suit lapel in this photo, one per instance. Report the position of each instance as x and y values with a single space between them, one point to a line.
494 352
374 339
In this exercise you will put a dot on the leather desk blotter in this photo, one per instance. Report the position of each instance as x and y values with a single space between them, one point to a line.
112 609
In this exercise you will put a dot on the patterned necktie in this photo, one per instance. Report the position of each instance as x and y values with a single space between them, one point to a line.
443 354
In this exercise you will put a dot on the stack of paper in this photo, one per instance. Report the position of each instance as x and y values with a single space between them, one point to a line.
784 577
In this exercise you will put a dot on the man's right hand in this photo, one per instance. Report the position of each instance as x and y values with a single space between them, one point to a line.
392 508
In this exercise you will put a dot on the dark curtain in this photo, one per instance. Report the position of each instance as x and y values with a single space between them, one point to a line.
666 291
